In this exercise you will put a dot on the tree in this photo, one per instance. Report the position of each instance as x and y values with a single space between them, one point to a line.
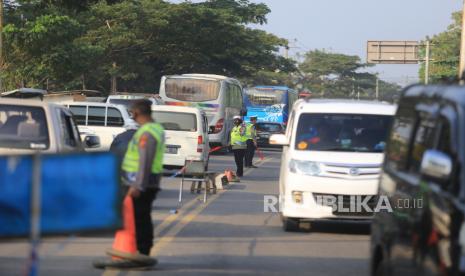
335 75
445 53
137 42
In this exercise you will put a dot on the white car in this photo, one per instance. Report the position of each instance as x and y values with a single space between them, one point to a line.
186 134
331 162
101 119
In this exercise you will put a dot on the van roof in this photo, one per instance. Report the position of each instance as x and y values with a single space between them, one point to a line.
92 104
185 109
452 93
344 106
26 102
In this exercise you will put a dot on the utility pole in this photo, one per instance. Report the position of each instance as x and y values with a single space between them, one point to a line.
427 60
462 46
377 87
1 43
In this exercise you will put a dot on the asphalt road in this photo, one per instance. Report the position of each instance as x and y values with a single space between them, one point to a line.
230 234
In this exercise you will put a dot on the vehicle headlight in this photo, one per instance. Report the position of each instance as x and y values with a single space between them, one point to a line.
305 167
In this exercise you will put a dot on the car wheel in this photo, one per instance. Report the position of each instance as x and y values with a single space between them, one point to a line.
291 224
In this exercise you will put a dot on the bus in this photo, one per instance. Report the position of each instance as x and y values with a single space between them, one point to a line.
269 103
219 96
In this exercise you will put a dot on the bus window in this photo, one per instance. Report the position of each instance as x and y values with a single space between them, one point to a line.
263 98
192 90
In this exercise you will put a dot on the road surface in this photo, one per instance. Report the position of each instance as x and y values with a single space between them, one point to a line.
230 234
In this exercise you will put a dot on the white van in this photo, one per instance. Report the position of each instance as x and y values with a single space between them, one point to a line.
332 156
219 96
186 134
104 120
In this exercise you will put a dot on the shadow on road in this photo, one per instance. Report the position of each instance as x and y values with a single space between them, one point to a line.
336 227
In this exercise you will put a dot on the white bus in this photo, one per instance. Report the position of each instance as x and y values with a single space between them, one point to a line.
219 96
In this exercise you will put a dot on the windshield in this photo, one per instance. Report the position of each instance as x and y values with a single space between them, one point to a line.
23 127
269 127
192 90
176 121
342 132
262 97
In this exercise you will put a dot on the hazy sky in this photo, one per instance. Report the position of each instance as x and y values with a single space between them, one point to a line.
345 25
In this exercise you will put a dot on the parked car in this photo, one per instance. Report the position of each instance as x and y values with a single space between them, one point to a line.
105 120
126 99
333 149
265 130
424 179
186 134
28 126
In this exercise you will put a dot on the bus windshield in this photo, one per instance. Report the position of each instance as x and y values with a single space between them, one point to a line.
258 97
192 90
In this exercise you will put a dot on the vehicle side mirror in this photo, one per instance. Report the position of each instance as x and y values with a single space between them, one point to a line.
436 165
92 141
244 112
279 139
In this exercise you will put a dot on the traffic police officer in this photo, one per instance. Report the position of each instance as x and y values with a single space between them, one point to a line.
238 144
142 170
251 142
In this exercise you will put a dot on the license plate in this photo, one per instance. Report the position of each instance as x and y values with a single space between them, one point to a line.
171 150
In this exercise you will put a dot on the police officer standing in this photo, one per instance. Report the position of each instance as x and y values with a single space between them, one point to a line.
238 144
251 142
142 170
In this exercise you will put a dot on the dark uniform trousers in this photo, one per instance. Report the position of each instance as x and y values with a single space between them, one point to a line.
250 152
143 217
239 159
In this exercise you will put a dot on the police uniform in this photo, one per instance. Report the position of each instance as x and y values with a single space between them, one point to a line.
238 145
251 140
142 169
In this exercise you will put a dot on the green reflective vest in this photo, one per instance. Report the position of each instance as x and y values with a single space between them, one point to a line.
250 131
238 137
131 159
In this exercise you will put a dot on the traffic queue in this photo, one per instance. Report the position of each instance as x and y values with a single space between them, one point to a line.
396 167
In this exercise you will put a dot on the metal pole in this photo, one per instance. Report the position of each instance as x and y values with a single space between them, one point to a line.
35 212
1 43
427 61
462 46
377 88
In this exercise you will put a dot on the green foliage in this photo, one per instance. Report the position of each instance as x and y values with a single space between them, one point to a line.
334 75
74 44
445 53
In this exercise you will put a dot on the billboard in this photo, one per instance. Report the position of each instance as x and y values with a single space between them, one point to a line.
392 52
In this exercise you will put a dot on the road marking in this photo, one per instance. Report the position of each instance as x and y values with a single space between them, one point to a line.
171 235
184 221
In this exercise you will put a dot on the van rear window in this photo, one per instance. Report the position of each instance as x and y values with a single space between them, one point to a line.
176 121
23 127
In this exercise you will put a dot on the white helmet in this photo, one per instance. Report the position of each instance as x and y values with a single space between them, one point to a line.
237 118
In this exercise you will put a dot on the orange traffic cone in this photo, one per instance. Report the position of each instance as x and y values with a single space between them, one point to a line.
125 245
125 239
229 174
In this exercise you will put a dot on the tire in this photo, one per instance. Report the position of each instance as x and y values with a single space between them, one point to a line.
291 224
